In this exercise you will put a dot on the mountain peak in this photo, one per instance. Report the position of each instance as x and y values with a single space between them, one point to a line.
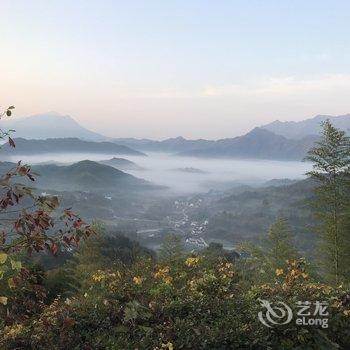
50 125
311 126
178 138
259 132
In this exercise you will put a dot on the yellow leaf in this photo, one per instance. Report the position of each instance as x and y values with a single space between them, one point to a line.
279 272
2 271
137 280
16 265
3 300
168 346
11 283
3 258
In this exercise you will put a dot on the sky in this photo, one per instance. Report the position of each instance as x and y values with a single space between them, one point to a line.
164 68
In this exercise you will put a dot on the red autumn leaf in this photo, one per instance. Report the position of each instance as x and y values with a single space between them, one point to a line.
67 240
23 170
77 223
17 225
54 248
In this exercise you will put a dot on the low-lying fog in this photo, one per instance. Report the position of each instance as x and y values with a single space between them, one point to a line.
185 174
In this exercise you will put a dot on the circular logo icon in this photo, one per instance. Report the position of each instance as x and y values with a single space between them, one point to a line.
278 313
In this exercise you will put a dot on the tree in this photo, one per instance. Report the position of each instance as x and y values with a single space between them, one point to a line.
331 165
104 252
76 273
216 250
280 244
171 248
264 262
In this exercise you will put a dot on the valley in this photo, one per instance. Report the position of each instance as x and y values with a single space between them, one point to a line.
201 200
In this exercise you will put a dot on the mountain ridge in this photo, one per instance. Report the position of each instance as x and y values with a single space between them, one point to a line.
70 145
121 164
89 176
277 140
40 126
306 127
256 144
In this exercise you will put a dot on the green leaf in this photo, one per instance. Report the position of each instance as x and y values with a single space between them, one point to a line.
121 329
147 330
11 283
130 314
16 265
3 258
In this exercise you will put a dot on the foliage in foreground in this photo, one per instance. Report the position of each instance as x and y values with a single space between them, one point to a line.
192 303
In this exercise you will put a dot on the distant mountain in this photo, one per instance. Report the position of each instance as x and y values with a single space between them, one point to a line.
312 126
50 125
121 164
190 170
66 145
257 144
279 182
87 176
172 145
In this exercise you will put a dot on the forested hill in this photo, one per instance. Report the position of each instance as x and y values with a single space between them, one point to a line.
67 145
257 144
121 163
88 176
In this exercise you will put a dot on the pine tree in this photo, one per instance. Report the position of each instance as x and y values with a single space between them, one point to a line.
265 260
280 244
331 164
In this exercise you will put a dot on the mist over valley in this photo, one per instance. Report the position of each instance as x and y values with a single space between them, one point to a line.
226 191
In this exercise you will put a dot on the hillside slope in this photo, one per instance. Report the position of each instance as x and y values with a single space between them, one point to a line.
87 176
50 125
66 145
121 164
257 144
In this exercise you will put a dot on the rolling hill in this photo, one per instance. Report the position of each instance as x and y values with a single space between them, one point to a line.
246 215
87 176
66 145
257 144
171 145
121 164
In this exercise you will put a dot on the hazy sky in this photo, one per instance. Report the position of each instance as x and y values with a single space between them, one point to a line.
197 68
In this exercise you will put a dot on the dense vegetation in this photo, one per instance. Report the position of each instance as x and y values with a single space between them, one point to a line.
101 300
